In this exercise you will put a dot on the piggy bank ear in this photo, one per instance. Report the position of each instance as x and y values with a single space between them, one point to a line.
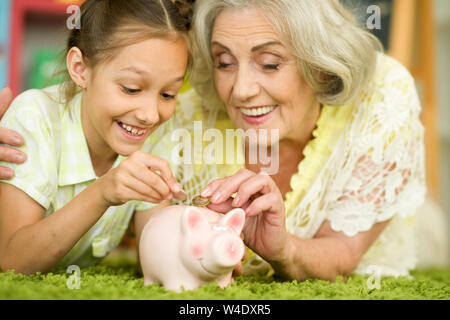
193 219
234 219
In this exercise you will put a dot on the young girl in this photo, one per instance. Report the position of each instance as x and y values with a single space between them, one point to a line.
89 167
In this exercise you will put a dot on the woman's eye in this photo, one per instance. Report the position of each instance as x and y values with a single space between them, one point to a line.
221 65
271 66
130 90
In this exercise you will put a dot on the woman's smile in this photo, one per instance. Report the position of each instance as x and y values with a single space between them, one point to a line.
258 78
257 115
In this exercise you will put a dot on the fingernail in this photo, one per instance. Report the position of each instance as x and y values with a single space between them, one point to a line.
16 140
205 192
7 175
18 158
236 200
177 187
216 197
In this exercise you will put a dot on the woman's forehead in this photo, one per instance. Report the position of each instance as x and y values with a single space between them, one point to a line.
246 24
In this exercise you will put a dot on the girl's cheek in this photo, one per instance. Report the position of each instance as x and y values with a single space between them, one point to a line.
167 113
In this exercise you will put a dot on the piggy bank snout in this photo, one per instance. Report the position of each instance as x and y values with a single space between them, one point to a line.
228 250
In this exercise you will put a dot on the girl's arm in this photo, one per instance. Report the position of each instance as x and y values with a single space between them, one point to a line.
29 242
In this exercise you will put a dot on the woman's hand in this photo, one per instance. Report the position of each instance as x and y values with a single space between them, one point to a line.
264 231
8 137
136 178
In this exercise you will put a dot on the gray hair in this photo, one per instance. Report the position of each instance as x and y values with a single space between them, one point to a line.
334 55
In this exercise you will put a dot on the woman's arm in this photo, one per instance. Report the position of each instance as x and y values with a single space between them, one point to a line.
30 243
328 255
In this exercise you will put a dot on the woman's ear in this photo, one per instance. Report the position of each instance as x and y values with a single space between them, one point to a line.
76 67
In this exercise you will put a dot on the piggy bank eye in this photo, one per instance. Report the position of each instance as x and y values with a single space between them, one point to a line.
219 228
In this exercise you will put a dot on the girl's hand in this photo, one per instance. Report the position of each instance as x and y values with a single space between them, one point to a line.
136 178
264 230
8 137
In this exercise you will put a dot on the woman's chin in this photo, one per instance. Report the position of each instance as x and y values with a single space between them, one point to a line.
260 135
262 143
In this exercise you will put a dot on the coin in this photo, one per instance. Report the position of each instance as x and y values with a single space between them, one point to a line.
200 201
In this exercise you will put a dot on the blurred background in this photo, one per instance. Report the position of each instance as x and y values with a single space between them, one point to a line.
415 32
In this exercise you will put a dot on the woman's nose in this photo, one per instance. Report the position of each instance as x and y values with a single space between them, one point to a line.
245 85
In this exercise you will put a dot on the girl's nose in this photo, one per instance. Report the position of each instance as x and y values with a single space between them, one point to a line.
148 116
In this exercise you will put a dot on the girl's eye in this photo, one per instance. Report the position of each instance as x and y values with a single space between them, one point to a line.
167 96
271 66
130 90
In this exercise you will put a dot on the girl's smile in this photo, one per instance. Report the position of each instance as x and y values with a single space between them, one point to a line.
132 132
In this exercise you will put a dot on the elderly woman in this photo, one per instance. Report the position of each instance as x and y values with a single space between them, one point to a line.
349 142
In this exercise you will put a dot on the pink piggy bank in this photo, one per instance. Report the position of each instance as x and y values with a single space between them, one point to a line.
186 246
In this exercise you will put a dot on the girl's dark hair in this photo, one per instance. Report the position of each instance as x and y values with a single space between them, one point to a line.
108 25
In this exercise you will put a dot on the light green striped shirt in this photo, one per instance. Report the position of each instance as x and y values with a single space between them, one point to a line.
59 166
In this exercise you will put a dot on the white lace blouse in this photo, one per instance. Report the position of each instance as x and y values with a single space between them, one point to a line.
365 165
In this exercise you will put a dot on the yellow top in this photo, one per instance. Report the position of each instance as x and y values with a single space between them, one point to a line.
330 123
316 152
364 165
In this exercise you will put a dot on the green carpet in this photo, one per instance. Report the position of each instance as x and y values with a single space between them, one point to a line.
118 278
